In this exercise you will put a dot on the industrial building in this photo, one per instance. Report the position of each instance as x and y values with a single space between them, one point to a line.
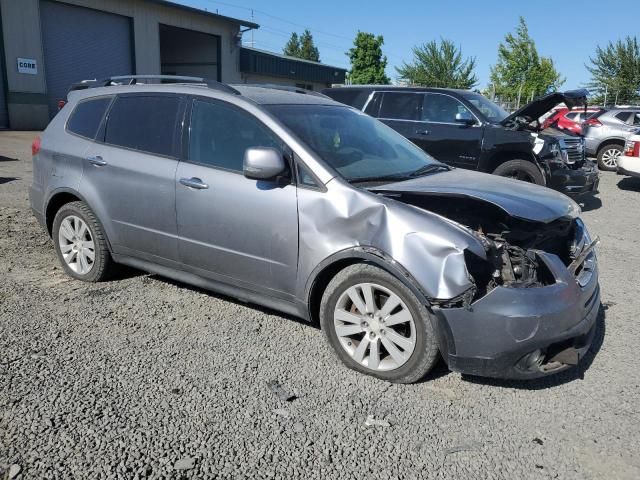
46 45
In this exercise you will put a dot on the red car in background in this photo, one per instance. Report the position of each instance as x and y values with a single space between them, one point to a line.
570 120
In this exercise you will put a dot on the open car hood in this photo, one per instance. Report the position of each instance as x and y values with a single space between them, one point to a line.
518 199
541 105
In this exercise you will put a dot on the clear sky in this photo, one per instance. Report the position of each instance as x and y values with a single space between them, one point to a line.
566 31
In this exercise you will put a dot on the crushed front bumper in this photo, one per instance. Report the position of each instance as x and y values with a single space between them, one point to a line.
493 336
575 181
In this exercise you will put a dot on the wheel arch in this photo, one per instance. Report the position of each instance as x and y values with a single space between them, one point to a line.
61 197
610 141
498 158
329 268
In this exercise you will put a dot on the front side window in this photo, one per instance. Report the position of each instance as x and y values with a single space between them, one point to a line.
401 106
356 145
220 135
493 112
144 122
441 108
87 116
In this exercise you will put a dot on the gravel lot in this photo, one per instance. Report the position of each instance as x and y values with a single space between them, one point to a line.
145 377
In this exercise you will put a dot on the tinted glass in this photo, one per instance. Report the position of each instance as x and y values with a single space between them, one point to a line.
220 135
401 106
356 145
441 108
635 120
489 109
145 123
86 118
573 116
349 96
305 178
623 116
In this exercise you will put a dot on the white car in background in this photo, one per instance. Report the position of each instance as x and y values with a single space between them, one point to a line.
629 161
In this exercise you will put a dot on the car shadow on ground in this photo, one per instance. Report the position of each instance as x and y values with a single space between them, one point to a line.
631 184
589 202
4 180
7 159
567 376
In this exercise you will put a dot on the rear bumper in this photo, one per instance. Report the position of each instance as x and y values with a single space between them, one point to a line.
497 332
628 166
575 182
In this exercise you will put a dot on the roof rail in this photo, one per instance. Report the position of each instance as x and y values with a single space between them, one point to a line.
151 79
286 88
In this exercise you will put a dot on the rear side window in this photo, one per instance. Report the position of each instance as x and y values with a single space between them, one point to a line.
144 122
635 120
87 116
220 134
401 106
623 116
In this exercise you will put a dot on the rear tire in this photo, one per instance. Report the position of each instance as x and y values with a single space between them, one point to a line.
81 243
523 170
399 344
608 157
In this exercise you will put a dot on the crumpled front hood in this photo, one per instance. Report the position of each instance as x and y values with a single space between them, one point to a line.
516 198
534 110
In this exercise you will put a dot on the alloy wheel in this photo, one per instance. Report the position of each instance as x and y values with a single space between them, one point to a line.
610 157
76 244
375 327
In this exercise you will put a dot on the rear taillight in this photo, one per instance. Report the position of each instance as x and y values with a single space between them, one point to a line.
632 149
593 122
35 146
61 104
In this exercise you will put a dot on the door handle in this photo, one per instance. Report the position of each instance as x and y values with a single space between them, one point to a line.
97 161
194 182
422 132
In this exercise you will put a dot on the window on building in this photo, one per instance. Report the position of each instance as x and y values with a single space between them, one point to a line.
220 135
401 106
144 122
87 116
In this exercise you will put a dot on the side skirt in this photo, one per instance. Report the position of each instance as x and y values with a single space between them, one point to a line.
234 291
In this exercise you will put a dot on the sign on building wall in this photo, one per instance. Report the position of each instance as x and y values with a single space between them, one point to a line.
28 66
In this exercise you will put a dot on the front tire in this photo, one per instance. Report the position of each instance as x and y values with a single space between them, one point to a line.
608 157
81 243
523 170
377 326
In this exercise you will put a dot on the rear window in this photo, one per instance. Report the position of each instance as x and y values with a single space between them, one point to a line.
144 122
87 116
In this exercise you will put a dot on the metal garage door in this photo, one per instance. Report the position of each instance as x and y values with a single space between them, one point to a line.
81 43
4 119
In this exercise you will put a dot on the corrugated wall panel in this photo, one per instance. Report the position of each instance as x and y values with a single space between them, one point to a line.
81 43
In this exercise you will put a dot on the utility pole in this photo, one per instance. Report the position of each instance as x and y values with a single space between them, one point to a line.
606 90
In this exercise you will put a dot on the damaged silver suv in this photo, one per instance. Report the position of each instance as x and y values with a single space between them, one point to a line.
287 199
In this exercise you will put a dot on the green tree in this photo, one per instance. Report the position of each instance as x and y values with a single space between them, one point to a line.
368 64
615 70
292 47
520 72
308 50
302 46
439 65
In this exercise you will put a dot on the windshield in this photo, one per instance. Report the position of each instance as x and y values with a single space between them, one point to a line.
357 146
489 109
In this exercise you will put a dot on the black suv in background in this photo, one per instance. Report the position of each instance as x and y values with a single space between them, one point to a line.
466 130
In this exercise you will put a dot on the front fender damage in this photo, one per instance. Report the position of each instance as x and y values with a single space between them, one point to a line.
430 248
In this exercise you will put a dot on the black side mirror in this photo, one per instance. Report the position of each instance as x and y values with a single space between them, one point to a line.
465 118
